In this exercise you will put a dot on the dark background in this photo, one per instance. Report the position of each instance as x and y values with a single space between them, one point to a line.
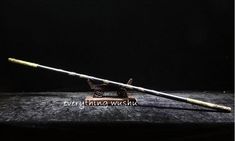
163 44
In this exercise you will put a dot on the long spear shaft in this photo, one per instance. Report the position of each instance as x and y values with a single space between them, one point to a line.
141 89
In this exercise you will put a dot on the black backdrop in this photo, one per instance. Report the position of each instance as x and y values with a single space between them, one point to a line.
163 44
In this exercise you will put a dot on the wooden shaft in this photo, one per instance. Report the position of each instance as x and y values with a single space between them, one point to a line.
149 91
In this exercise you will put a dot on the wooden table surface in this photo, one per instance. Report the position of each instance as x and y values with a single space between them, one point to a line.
167 118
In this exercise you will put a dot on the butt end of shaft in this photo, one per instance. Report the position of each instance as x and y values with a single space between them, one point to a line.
21 62
210 105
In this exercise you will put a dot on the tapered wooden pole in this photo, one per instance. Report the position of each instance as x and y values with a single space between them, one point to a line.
149 91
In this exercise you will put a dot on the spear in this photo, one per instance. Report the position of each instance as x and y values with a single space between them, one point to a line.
127 86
